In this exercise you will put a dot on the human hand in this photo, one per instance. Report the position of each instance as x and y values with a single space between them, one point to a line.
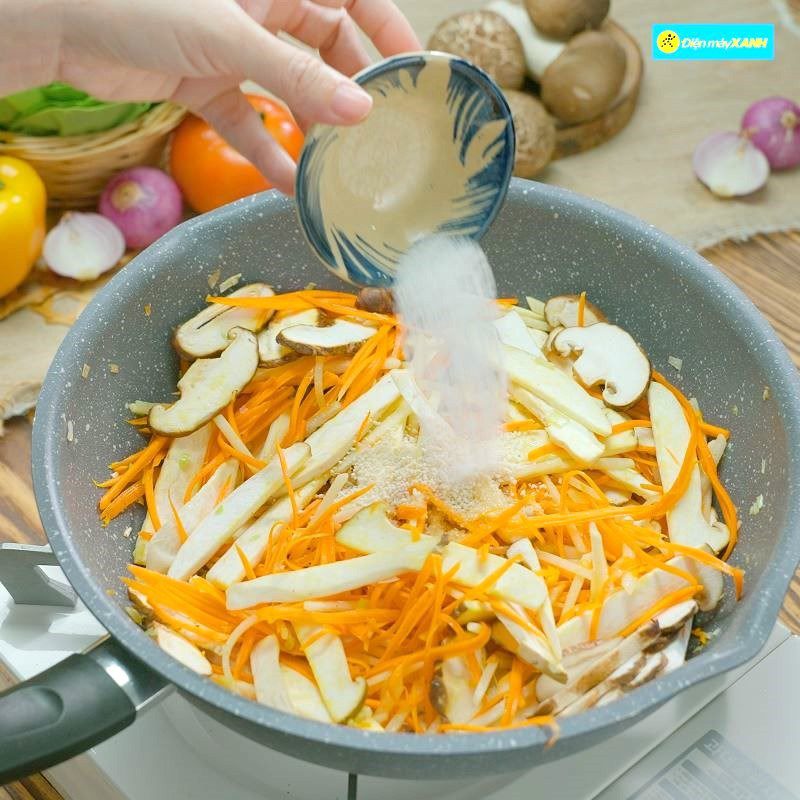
197 52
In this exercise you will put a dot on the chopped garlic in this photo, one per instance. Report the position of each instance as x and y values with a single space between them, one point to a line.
127 532
113 368
85 371
70 431
148 309
229 283
758 504
766 393
675 362
735 410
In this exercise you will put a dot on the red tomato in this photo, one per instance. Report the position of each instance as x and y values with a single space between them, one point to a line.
211 173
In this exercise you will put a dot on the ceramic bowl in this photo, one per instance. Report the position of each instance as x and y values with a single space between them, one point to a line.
435 155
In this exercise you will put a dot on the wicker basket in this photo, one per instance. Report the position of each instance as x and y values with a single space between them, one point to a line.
76 168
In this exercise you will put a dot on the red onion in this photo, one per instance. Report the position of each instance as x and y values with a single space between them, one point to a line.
773 126
144 203
83 246
730 165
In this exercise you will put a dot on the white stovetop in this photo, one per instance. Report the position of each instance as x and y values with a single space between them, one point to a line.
176 752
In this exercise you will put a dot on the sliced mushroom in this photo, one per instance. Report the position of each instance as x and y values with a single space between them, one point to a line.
341 337
513 331
450 691
534 649
238 507
254 541
548 383
672 620
686 522
165 543
270 352
206 334
653 666
181 649
267 676
620 678
563 311
607 355
304 696
329 579
330 443
342 695
535 132
575 438
587 676
207 387
675 652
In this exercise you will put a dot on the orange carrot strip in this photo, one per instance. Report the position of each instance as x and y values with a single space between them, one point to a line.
669 600
582 310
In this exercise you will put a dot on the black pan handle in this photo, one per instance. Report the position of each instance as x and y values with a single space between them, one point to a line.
76 704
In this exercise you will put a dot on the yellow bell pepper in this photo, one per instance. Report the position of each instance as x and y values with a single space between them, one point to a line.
22 221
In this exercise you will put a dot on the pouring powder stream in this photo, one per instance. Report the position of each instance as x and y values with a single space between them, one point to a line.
445 293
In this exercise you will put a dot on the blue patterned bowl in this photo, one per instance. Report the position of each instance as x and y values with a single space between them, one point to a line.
435 155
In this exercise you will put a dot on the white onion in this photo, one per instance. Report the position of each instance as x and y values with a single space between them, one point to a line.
729 165
83 246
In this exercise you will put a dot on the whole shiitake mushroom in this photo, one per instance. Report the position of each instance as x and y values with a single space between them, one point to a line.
562 19
536 133
488 41
584 80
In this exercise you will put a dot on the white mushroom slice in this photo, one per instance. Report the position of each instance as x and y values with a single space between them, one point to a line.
163 547
535 305
672 620
539 337
342 695
717 447
237 508
533 648
329 579
341 337
330 443
370 531
582 653
304 696
450 691
254 540
270 352
622 442
610 697
182 649
277 430
513 332
517 584
207 387
563 431
607 355
630 479
548 383
675 651
267 676
686 522
653 666
562 311
535 322
206 334
620 678
587 676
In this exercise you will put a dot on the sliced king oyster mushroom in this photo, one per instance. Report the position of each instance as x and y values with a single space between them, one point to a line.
267 676
675 651
653 666
270 352
450 691
619 678
329 579
181 649
341 337
342 695
562 311
207 387
304 696
206 334
239 506
513 331
609 355
686 522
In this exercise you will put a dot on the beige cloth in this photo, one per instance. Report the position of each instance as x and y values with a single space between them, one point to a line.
647 168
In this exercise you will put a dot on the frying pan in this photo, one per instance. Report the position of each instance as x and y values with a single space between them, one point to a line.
545 241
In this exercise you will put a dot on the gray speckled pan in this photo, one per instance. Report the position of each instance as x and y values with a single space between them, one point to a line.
545 241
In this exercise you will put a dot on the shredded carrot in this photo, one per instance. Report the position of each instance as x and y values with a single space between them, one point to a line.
523 425
629 424
363 427
182 535
669 600
248 567
582 309
288 483
545 450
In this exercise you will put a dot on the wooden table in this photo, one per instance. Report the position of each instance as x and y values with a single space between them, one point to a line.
766 267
